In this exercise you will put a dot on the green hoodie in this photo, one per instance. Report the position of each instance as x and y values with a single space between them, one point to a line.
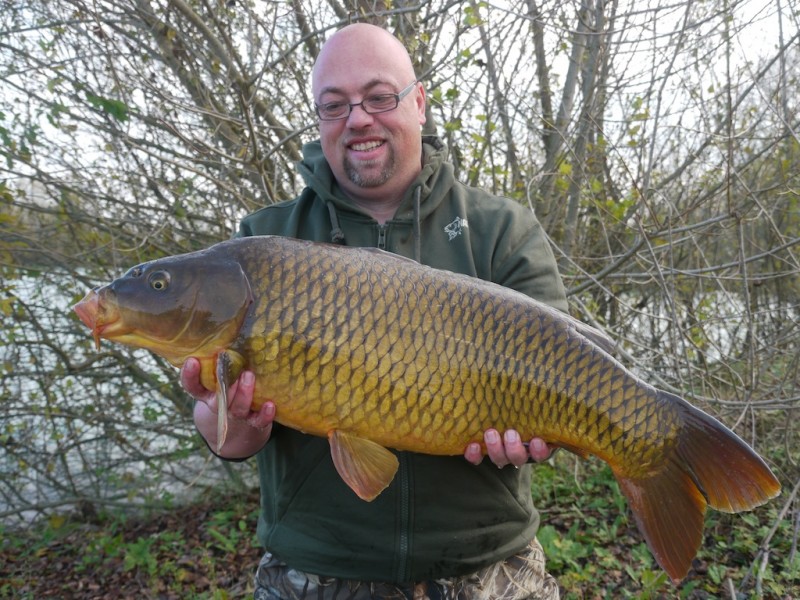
441 516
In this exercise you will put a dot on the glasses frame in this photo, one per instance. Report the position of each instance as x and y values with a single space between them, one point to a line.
350 106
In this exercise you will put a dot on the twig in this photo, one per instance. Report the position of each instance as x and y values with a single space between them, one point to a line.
795 530
760 574
764 546
731 589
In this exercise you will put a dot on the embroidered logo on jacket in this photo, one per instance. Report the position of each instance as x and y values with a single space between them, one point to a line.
456 228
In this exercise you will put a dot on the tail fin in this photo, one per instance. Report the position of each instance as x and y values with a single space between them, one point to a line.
710 465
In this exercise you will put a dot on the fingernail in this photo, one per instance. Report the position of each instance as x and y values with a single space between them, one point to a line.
473 450
248 378
492 437
511 436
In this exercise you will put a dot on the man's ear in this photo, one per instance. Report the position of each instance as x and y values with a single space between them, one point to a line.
421 101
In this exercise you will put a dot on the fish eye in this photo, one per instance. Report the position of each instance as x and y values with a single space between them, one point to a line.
159 280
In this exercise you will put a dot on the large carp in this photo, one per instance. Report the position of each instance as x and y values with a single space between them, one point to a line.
376 351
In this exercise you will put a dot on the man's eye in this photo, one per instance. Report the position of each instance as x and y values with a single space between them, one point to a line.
381 101
333 107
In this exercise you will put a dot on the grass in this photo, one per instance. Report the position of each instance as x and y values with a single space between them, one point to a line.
208 550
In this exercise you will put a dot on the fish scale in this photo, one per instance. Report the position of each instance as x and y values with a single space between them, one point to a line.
375 351
392 337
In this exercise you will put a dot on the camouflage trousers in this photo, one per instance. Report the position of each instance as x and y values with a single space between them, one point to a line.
520 577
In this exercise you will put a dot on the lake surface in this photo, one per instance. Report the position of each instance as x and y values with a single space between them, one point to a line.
80 426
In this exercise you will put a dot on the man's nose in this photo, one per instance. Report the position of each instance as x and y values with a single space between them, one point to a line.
358 117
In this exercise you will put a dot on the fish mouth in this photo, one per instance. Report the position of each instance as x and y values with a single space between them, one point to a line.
92 313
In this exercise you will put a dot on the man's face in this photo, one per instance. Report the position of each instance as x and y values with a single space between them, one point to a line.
371 155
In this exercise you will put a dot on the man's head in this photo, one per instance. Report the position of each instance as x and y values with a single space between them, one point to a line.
373 156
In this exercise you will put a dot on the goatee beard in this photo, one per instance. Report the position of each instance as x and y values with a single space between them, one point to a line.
357 178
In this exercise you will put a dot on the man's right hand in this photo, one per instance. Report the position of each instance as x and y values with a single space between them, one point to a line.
248 430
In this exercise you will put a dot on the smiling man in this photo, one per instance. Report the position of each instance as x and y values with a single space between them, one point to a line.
446 527
374 156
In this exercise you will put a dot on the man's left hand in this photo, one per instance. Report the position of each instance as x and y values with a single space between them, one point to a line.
507 449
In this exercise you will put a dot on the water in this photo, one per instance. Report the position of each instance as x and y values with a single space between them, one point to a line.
80 426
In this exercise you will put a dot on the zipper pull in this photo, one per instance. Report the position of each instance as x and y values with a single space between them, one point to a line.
382 236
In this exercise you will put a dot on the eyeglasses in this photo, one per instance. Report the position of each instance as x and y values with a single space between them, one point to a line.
379 103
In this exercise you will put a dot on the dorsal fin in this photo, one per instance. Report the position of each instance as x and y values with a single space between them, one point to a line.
384 254
594 334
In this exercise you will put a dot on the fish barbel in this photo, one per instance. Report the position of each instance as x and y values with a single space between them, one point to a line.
375 351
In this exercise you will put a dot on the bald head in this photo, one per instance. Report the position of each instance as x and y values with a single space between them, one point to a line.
373 155
362 46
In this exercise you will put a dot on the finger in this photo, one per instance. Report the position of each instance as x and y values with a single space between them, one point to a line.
494 447
473 453
516 452
242 395
539 450
263 418
190 379
189 373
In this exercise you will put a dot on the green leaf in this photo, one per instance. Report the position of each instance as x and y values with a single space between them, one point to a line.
454 125
223 542
115 108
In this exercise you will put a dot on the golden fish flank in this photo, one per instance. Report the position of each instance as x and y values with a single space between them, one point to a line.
375 351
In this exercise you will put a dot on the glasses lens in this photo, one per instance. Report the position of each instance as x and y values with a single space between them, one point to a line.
381 103
332 110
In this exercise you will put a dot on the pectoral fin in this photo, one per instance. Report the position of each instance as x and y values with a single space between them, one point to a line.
368 468
229 366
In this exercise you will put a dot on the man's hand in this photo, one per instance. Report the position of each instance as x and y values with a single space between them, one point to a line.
507 449
248 430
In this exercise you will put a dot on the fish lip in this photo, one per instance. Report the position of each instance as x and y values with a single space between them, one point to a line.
92 313
87 309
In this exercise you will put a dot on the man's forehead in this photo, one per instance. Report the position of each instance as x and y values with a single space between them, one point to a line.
358 58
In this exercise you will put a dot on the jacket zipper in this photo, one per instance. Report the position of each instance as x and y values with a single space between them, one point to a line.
382 236
403 478
404 549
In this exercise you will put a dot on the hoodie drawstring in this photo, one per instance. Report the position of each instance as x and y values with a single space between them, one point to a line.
337 235
417 226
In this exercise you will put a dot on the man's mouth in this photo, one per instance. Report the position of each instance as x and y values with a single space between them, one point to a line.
366 146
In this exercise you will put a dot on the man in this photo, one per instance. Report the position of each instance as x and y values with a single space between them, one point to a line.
446 526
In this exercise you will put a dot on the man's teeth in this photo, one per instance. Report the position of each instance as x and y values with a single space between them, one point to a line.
366 146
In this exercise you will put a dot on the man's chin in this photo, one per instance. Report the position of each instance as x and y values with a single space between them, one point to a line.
368 177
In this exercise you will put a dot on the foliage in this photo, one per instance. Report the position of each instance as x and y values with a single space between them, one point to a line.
173 554
208 549
656 142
